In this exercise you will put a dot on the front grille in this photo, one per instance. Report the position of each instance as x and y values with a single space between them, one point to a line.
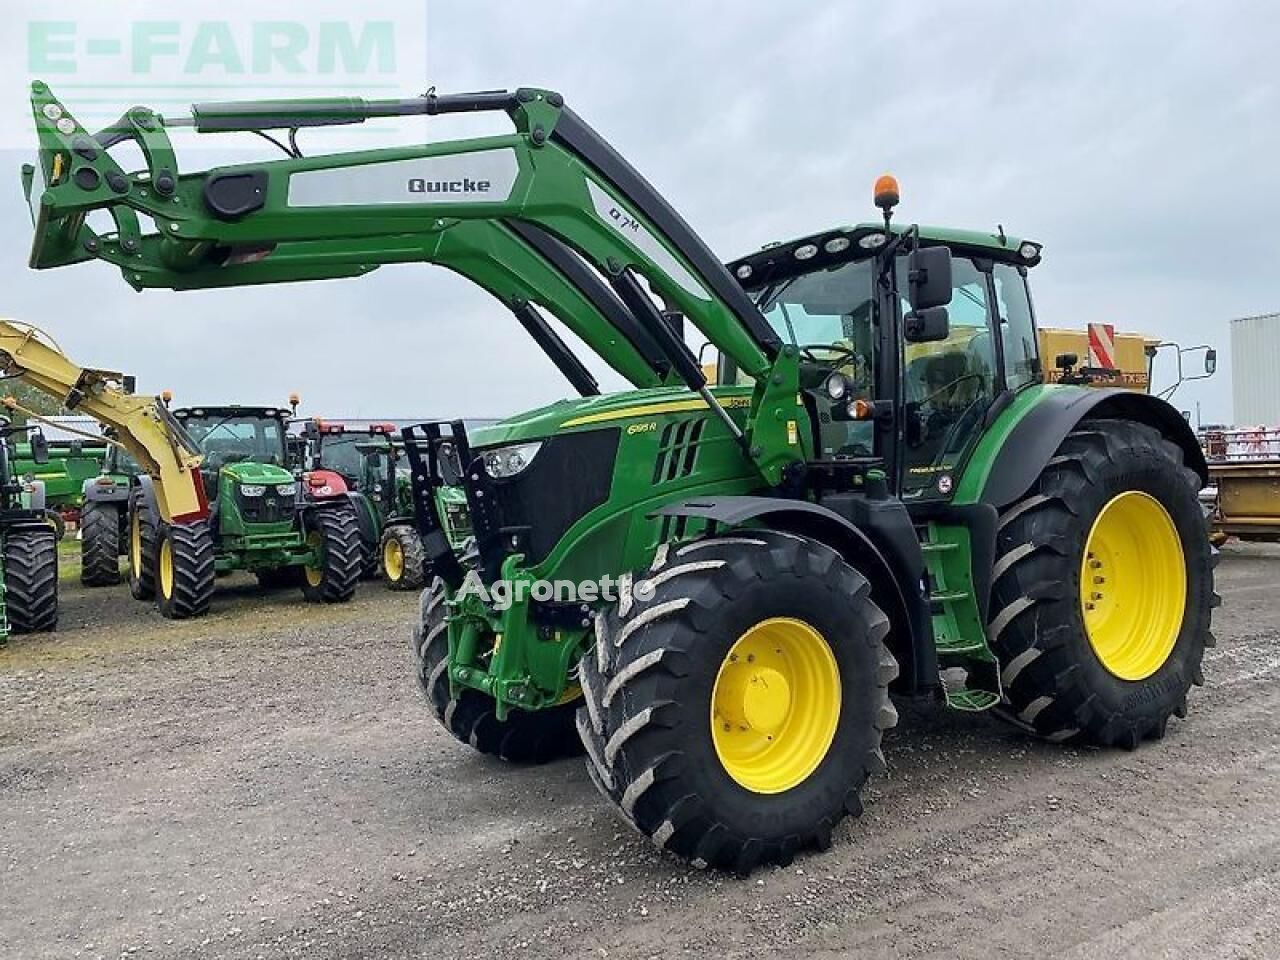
678 449
268 508
570 476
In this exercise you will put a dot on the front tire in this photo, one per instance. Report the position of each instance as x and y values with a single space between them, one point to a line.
31 579
526 736
142 547
100 544
1103 589
403 558
335 535
185 570
736 698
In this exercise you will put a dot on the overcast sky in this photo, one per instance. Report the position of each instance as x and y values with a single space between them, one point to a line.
1140 142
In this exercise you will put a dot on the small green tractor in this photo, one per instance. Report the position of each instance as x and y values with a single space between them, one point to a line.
712 588
263 518
28 546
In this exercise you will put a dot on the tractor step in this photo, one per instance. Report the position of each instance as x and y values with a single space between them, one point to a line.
959 634
972 701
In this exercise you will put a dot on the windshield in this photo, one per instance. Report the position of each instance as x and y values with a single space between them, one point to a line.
827 314
238 438
354 454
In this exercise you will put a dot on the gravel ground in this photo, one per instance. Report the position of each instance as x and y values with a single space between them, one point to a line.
266 783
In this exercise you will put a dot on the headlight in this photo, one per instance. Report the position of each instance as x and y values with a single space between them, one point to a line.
837 386
287 489
252 489
503 462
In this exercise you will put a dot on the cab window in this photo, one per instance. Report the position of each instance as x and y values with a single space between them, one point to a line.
827 315
948 384
1017 327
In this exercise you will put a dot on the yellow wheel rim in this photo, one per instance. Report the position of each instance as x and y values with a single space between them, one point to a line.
166 569
315 575
393 559
135 545
775 705
1133 585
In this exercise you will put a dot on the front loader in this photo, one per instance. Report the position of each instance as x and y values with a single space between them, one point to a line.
880 496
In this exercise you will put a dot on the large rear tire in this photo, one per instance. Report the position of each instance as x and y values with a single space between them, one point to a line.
100 544
1103 589
185 570
335 534
736 698
523 737
403 558
31 579
142 547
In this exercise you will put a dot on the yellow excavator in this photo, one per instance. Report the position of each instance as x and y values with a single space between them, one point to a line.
142 426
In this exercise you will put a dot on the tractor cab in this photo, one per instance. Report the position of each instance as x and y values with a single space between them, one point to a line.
246 460
889 381
363 455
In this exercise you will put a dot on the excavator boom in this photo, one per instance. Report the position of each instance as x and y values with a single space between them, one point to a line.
141 424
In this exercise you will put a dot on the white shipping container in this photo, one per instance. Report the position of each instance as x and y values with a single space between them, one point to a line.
1255 370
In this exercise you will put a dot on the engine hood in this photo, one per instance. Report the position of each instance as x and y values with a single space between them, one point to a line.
587 413
264 473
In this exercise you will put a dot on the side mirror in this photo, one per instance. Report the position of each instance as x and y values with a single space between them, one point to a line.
39 447
926 326
929 278
1210 362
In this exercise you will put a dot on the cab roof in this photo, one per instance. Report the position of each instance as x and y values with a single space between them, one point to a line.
841 244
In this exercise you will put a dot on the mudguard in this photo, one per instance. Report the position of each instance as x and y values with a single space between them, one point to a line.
323 486
1037 435
882 546
147 485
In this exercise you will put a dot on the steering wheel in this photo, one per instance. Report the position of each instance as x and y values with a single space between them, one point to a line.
846 354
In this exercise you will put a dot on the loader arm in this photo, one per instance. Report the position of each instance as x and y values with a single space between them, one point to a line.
142 424
500 210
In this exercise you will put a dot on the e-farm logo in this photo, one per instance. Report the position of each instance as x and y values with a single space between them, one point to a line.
101 59
257 51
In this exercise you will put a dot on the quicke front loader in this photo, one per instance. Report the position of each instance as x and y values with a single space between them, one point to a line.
880 495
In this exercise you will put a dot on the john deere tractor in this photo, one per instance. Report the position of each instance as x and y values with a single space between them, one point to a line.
28 545
881 495
262 518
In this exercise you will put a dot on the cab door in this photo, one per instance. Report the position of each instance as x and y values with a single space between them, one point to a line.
948 386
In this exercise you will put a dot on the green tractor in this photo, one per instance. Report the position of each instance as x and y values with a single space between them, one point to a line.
28 546
262 518
713 588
